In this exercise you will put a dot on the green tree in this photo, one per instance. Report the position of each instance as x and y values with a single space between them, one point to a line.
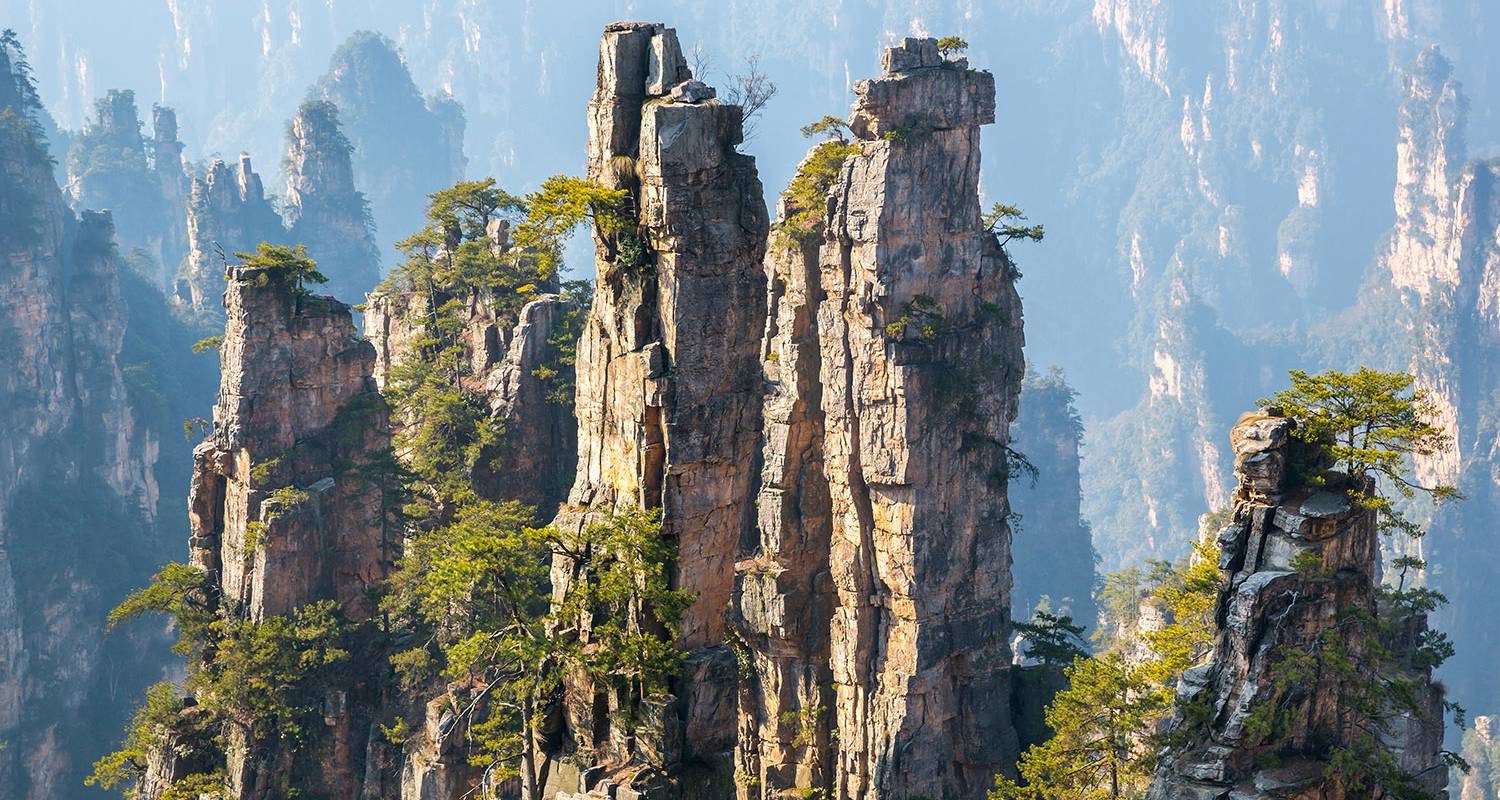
480 586
1370 424
1052 639
148 728
1098 749
1002 220
285 266
182 592
951 45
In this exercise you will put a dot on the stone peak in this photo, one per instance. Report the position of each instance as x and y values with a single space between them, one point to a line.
911 54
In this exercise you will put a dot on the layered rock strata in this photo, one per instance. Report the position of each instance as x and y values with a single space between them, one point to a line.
278 512
1275 606
668 397
875 599
916 439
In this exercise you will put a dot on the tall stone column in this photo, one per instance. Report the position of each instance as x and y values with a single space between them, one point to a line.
920 331
669 391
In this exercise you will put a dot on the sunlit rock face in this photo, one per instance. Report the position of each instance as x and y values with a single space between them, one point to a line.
669 391
874 599
282 509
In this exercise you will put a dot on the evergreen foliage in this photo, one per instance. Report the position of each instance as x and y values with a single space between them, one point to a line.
1052 639
1370 424
284 266
1106 723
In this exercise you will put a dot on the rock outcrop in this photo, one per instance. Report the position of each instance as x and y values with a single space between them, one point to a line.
917 415
509 356
284 512
1301 566
227 212
68 431
279 512
669 393
875 599
325 211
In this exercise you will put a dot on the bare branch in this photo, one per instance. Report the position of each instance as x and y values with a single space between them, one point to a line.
751 90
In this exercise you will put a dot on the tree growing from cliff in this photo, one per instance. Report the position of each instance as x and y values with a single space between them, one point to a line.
1371 424
480 588
951 45
286 266
1052 639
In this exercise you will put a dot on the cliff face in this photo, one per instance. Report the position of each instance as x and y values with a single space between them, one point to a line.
67 430
284 512
297 405
405 146
668 397
1276 608
227 212
916 420
873 601
325 211
1435 294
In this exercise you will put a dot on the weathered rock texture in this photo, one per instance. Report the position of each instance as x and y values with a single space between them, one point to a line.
282 512
1273 606
916 437
325 211
297 409
669 390
783 586
874 598
506 353
227 212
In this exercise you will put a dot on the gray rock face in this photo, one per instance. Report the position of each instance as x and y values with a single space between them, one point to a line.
917 427
669 392
227 212
893 353
1271 606
72 454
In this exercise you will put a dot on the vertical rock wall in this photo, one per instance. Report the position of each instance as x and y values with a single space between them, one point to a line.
325 211
1271 607
669 391
281 513
874 599
75 474
917 428
297 407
